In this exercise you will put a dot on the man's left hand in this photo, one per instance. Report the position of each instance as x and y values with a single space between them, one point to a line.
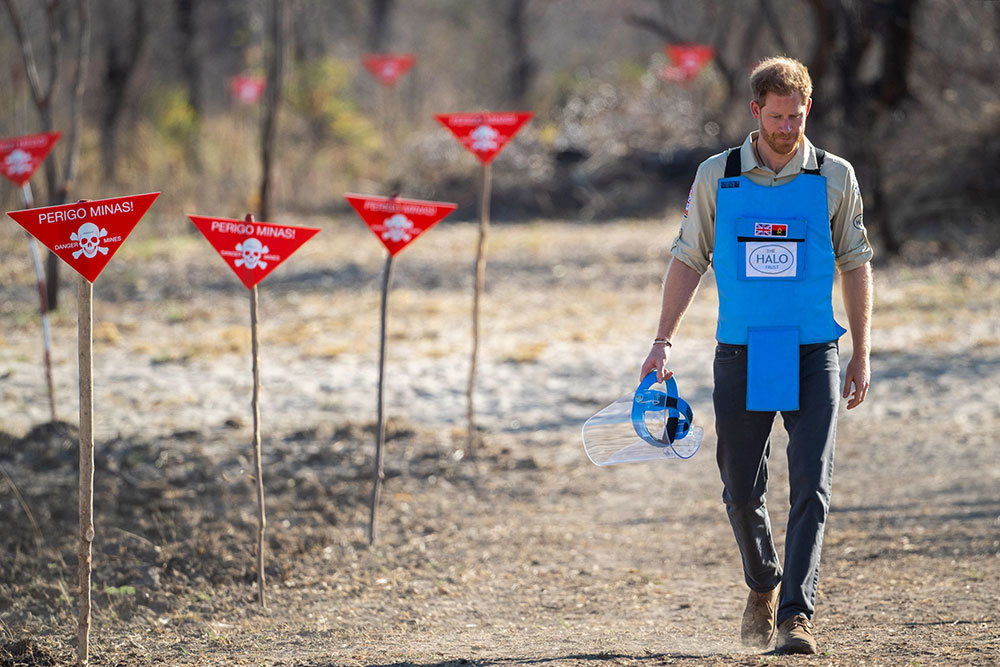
858 379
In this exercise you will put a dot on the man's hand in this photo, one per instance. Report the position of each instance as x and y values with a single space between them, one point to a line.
857 293
858 378
656 360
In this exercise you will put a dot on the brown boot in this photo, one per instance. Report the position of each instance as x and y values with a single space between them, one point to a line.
757 629
795 636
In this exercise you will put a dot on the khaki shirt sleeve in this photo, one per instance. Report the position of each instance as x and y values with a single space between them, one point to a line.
847 227
696 237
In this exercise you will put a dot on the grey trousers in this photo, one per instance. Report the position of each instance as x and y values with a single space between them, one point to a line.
743 448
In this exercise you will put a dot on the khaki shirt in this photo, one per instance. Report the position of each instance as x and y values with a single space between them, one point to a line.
696 237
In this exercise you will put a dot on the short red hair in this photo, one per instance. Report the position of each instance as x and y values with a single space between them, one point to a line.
780 75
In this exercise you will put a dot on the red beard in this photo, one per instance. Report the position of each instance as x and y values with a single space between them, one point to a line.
782 144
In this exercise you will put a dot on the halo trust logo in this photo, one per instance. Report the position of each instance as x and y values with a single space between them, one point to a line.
772 259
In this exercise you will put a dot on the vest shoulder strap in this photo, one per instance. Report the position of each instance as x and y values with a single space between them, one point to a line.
820 155
733 166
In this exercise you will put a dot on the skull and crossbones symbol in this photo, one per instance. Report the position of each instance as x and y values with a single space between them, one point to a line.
397 228
19 162
252 251
484 138
89 237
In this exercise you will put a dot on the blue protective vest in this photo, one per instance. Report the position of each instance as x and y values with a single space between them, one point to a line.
774 267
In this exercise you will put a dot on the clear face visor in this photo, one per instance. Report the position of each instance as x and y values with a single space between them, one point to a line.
647 425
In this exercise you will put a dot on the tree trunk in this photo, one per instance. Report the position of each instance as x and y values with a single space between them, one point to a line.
190 54
379 35
275 72
896 52
122 51
42 94
522 73
866 107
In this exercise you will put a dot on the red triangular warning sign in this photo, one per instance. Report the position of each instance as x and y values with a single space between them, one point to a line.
86 235
387 68
252 249
687 61
20 156
398 222
485 134
247 88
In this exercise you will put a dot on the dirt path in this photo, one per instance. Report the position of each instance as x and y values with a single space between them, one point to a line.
527 555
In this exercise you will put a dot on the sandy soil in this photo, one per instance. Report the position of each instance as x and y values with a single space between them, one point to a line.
525 554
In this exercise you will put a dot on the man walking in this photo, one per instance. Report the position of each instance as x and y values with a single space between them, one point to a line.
776 218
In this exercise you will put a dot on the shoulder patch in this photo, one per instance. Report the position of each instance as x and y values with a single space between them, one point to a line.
729 184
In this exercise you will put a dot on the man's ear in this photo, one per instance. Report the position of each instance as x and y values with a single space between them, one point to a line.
755 109
809 104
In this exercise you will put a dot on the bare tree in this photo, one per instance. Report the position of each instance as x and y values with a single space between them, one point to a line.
865 101
380 25
186 13
524 68
122 48
272 101
43 94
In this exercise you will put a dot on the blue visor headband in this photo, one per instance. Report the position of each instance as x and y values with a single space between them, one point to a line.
678 412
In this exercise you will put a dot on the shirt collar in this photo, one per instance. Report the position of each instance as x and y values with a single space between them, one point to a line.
805 157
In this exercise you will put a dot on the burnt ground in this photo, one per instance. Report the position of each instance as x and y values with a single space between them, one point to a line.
522 554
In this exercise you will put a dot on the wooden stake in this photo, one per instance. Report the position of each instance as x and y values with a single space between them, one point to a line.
484 224
258 465
382 100
43 303
379 475
395 116
85 341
